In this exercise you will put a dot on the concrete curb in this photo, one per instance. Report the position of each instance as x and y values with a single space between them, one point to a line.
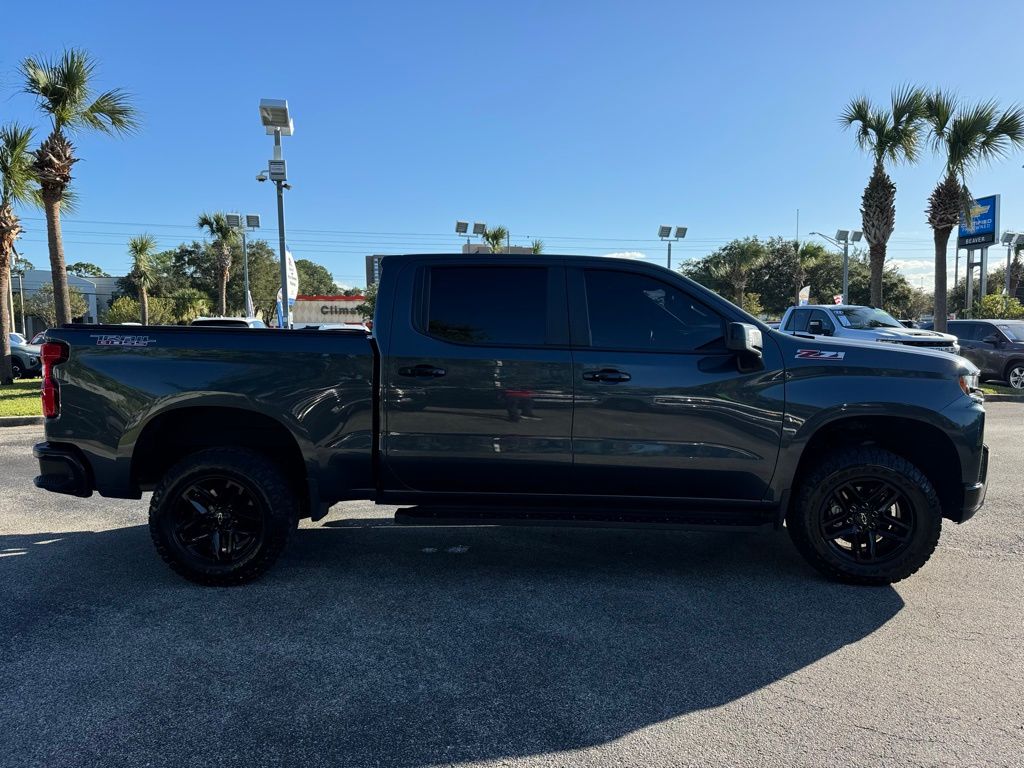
1000 398
20 421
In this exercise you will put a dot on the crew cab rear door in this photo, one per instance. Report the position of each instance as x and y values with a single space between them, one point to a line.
477 378
662 409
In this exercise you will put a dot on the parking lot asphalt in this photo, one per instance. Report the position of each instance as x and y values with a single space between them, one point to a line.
371 644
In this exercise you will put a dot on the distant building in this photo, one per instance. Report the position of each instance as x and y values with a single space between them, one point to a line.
96 290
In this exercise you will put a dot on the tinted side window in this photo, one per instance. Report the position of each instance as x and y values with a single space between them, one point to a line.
487 305
632 311
961 330
826 321
798 320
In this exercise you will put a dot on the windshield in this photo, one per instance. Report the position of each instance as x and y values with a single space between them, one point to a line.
865 318
17 338
1012 331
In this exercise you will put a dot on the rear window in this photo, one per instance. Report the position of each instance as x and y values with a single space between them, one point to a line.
488 305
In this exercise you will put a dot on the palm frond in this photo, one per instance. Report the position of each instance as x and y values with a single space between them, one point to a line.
17 177
62 87
111 112
939 108
859 112
907 104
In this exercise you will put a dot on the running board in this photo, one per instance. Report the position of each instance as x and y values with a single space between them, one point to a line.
594 518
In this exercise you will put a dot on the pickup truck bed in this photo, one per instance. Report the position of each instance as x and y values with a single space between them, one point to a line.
527 389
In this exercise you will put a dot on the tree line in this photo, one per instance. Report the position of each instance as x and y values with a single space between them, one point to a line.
765 277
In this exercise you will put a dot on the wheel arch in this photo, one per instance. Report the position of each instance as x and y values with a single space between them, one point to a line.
923 444
174 433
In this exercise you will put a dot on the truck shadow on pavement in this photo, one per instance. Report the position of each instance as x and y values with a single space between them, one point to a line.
373 644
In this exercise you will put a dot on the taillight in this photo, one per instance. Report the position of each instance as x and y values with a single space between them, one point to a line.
53 352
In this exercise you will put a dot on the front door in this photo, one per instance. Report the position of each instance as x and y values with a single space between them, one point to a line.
478 381
661 407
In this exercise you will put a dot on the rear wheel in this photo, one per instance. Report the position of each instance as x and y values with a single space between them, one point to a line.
17 371
866 516
222 516
1015 374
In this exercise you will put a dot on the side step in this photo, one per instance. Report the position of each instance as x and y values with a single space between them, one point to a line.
593 518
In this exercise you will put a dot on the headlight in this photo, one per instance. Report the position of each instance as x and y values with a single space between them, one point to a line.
968 382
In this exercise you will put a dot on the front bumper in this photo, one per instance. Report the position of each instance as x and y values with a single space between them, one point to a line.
974 493
62 470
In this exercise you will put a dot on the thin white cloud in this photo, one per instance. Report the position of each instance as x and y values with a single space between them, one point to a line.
626 255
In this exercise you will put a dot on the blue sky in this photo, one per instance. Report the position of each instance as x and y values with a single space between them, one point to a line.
584 124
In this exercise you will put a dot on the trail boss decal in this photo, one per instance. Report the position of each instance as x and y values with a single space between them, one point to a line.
819 354
111 340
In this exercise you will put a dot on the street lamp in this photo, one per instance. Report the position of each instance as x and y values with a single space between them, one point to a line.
462 229
665 233
277 120
1010 240
250 221
843 239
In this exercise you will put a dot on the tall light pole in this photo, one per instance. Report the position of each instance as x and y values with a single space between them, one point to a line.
1010 240
249 221
843 239
665 233
276 119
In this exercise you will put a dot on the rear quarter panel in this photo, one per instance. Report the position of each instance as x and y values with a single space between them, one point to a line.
317 384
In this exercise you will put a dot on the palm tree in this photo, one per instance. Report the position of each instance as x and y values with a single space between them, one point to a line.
968 137
216 226
141 248
496 238
733 264
890 136
537 246
17 186
62 89
805 258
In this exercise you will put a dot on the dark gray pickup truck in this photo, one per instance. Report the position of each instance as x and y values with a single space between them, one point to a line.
530 390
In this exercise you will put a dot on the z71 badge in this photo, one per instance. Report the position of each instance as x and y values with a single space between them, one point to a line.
113 340
819 354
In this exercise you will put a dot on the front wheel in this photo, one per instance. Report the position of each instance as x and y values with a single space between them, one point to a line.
222 516
866 516
16 369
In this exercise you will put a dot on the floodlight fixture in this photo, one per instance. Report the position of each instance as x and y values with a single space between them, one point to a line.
252 220
842 235
233 220
664 232
461 227
680 233
856 235
479 228
275 117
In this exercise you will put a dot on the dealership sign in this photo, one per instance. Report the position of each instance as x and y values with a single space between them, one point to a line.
984 225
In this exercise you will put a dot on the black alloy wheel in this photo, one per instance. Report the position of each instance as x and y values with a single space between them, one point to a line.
221 516
867 520
218 519
865 515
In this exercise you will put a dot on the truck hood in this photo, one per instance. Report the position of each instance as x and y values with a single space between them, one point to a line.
898 334
848 353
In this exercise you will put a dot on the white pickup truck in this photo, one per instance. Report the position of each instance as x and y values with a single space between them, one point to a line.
847 321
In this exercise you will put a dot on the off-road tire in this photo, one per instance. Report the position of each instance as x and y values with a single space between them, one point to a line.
816 488
271 494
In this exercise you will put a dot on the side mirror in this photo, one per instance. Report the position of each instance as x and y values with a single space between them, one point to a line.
745 339
992 338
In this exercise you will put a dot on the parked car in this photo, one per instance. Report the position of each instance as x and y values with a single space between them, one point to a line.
508 390
25 357
995 346
229 322
859 323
